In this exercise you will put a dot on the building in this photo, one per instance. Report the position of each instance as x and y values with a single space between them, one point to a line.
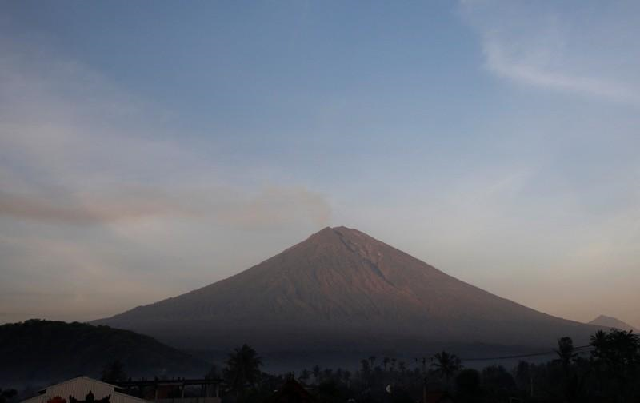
178 390
87 390
82 390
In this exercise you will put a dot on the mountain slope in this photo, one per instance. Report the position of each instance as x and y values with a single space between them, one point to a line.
611 322
336 287
40 351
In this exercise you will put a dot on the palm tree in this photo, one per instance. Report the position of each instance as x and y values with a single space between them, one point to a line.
402 366
304 375
243 368
446 365
617 356
347 376
339 374
365 368
316 373
214 372
423 361
572 383
372 360
113 372
566 353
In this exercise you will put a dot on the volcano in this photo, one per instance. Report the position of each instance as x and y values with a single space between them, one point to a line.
612 323
343 289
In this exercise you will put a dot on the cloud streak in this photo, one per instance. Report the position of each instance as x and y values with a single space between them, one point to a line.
272 207
502 62
69 161
41 208
546 47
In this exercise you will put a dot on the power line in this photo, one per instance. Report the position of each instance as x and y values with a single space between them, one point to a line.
539 354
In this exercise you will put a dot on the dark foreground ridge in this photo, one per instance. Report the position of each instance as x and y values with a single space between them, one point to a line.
342 289
46 351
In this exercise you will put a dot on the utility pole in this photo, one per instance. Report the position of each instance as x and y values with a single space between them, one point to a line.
424 390
531 382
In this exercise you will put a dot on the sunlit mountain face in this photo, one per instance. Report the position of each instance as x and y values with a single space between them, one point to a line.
342 288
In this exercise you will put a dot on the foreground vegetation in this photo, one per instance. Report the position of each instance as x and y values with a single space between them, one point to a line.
606 370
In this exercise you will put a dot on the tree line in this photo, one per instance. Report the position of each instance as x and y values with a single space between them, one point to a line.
606 370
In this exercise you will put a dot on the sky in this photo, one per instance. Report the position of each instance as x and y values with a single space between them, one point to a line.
150 148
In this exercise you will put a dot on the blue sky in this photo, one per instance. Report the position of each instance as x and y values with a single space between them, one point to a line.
150 148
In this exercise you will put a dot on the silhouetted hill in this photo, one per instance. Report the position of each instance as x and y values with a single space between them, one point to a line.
46 351
342 289
611 322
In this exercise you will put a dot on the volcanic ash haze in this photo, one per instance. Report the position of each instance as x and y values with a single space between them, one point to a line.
341 288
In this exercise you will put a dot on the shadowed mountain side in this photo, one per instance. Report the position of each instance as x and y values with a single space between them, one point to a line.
46 351
343 288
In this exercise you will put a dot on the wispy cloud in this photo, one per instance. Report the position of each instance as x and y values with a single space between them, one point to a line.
42 208
77 149
271 207
581 52
504 63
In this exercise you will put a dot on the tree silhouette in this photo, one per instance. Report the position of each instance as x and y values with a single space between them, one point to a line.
616 355
304 375
468 382
498 381
365 370
243 369
113 372
566 357
423 362
566 353
402 366
213 373
7 394
347 376
446 365
618 350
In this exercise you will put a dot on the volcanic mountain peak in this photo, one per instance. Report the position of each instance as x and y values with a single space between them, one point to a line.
342 282
340 262
352 244
330 240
